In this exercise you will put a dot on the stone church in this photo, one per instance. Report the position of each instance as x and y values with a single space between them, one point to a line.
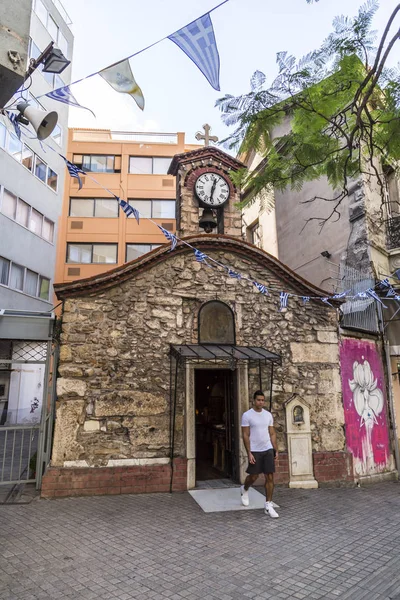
160 357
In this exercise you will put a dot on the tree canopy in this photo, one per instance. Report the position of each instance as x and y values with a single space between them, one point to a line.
342 108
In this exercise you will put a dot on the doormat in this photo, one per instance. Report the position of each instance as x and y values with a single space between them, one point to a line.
227 499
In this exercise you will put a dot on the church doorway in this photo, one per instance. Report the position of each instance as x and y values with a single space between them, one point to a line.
216 443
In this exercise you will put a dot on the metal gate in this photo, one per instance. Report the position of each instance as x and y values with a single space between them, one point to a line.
27 379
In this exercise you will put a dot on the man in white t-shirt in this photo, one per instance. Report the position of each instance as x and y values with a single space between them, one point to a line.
259 438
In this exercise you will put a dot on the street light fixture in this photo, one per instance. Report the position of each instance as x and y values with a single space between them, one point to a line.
55 62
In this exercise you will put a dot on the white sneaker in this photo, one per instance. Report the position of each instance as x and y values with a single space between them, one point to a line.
244 496
269 510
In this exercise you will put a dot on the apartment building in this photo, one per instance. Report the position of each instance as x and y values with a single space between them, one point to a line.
32 176
94 233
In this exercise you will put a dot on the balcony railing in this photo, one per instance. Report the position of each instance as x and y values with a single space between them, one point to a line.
393 233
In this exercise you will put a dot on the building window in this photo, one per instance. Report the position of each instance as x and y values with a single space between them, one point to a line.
21 212
97 163
4 270
135 250
22 216
52 179
56 134
9 204
154 209
254 234
92 253
52 28
41 11
147 165
14 146
17 277
23 279
93 207
44 288
27 158
3 132
40 169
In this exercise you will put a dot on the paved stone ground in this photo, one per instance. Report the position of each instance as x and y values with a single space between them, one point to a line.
328 543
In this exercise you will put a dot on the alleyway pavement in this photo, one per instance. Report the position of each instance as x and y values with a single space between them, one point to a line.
327 543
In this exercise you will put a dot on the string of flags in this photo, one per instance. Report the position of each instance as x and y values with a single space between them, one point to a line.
196 40
384 286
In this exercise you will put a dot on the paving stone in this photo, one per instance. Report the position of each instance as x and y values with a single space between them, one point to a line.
327 544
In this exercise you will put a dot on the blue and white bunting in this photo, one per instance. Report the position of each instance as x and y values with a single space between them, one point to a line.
326 301
170 237
200 256
14 120
261 288
128 209
74 171
64 95
197 40
341 295
283 297
305 299
375 296
233 274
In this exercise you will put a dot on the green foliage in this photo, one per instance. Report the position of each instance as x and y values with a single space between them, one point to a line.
329 114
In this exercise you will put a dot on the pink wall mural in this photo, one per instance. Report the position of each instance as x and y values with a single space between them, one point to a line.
364 400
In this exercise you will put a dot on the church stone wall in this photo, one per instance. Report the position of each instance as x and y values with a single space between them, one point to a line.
113 391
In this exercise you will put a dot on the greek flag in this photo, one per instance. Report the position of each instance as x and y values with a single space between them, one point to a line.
170 237
197 40
261 288
305 299
128 209
233 274
284 300
341 295
326 300
14 120
200 256
74 170
64 95
375 296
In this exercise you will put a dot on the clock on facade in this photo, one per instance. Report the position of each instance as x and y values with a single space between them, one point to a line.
212 189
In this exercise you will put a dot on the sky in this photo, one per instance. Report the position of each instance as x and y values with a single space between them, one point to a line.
178 97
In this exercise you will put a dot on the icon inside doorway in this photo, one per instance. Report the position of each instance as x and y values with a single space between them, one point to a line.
216 420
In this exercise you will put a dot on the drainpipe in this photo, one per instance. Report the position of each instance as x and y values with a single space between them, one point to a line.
391 403
386 350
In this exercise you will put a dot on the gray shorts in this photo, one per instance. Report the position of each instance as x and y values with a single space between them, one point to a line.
265 463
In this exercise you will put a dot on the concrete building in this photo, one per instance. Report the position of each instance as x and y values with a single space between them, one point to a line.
94 234
351 252
32 178
31 191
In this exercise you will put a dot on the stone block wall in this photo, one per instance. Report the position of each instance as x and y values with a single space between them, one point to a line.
113 392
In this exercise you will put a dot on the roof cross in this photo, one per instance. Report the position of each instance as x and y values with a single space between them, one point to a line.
206 135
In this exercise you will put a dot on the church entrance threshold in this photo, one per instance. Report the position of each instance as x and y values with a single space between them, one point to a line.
215 425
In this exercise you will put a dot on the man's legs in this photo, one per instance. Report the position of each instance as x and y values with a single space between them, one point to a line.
269 490
244 490
269 486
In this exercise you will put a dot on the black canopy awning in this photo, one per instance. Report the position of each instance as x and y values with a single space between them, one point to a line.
223 351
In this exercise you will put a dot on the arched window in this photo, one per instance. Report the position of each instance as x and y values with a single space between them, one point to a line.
216 323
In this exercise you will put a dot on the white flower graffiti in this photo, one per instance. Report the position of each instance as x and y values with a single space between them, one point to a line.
367 397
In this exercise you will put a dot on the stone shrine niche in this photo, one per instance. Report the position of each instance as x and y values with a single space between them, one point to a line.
298 431
216 323
203 183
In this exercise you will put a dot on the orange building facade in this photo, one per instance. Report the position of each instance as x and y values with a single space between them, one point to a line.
95 235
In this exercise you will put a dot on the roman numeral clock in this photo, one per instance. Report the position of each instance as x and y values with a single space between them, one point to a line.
206 197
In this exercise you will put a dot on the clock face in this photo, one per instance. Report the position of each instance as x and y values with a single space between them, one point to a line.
212 189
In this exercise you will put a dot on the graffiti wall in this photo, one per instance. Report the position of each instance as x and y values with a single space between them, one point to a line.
364 400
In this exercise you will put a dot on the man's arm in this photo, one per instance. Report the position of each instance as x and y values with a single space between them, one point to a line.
272 435
246 441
